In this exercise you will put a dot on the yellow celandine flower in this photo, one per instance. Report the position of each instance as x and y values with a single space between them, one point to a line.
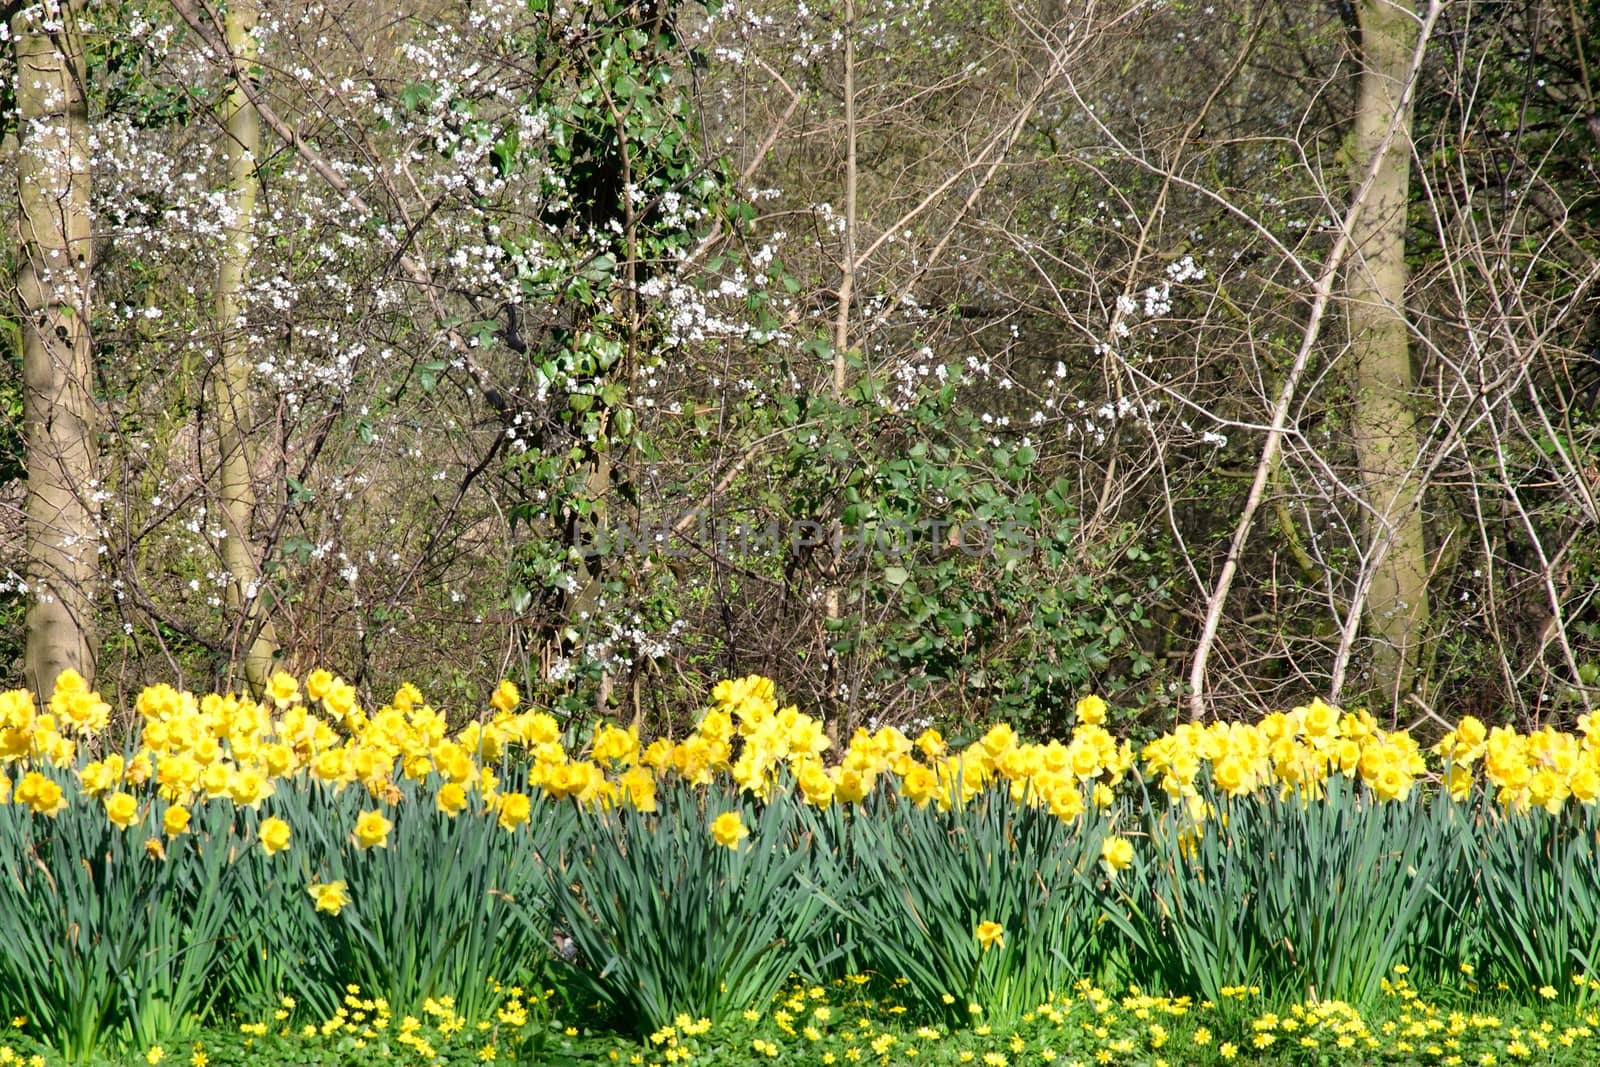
331 897
728 829
372 830
155 1054
273 835
990 935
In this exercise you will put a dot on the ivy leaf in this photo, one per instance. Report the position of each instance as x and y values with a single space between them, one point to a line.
418 95
428 374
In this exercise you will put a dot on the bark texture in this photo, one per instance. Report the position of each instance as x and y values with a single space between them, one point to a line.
231 394
54 256
1384 421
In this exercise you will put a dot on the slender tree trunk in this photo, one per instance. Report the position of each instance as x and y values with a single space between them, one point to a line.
1395 128
230 380
1386 438
838 700
53 273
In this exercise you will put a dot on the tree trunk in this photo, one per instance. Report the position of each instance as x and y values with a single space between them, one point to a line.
838 698
1386 438
230 379
53 273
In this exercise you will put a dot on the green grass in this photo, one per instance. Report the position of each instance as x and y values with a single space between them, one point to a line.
861 1020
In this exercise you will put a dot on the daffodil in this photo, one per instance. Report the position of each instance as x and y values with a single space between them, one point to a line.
514 810
122 809
451 799
729 829
331 897
372 830
1117 853
273 835
175 820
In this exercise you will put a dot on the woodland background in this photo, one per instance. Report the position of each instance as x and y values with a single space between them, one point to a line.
335 332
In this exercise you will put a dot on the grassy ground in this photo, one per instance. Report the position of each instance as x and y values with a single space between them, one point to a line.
859 1021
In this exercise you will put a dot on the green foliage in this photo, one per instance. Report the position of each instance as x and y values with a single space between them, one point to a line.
850 1019
666 920
913 885
107 945
1318 898
626 192
121 78
1540 881
12 462
103 945
446 905
970 575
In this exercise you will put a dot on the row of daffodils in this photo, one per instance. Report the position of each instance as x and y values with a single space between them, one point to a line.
193 749
205 857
